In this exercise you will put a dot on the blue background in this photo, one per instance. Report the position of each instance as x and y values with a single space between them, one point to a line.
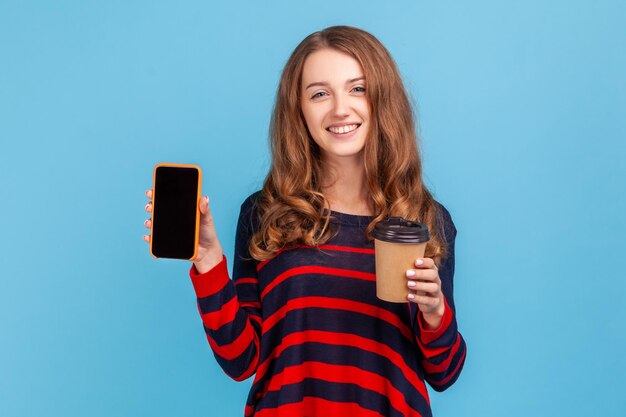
522 111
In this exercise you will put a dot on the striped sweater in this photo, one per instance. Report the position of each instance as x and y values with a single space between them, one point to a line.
308 325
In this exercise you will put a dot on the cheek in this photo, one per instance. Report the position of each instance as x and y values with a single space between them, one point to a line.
306 116
313 121
364 109
314 134
309 124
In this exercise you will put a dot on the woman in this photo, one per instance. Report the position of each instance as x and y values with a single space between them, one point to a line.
301 312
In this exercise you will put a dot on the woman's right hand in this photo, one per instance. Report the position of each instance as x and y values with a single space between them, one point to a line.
209 248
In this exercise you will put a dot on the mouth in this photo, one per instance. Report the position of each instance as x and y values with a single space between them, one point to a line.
343 129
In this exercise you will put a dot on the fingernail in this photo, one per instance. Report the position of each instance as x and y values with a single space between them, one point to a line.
410 273
418 262
147 205
412 284
411 296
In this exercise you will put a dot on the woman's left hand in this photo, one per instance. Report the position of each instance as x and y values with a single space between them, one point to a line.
425 291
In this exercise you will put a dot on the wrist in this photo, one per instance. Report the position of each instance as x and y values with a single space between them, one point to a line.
433 320
208 261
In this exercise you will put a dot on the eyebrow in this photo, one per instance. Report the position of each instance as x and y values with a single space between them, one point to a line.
325 84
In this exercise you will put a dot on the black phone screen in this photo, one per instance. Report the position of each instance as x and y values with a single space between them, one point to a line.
174 212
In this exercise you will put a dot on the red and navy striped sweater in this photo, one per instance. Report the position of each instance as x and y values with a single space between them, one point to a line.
308 325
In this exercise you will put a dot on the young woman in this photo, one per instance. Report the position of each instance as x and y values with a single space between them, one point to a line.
301 313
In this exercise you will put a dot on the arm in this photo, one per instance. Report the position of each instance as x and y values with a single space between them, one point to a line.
443 348
230 309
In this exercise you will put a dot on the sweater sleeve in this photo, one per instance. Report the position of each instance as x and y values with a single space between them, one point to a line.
443 348
230 309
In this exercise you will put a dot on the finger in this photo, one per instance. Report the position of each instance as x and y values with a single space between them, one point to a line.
425 263
148 223
203 204
146 238
149 194
427 287
423 300
149 207
423 274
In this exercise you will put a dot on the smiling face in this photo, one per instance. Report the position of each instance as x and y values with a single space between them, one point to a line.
334 104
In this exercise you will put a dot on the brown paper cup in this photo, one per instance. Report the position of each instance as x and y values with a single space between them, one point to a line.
397 243
392 262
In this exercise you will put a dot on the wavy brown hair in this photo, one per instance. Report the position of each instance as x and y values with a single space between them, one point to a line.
291 206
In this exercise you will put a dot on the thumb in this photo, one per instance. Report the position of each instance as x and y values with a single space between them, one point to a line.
204 205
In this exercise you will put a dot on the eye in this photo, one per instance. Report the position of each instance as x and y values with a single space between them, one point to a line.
319 94
359 89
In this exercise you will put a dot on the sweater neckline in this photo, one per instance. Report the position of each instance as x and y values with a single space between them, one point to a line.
350 219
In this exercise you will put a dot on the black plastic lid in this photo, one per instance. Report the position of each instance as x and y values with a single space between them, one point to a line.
400 230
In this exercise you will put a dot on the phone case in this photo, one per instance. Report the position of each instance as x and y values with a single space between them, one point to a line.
155 202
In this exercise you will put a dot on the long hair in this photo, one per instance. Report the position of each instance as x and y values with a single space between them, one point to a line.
291 208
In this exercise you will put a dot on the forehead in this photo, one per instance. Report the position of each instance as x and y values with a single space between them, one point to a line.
331 66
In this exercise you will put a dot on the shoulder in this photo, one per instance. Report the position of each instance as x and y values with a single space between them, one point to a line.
249 203
446 224
249 215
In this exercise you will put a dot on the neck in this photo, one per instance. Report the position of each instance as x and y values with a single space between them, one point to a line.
345 186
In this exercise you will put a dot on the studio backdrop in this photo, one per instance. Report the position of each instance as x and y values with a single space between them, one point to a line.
521 110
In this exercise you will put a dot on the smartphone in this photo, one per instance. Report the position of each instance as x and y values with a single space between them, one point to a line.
175 215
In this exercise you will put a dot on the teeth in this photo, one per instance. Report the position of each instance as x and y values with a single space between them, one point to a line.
343 129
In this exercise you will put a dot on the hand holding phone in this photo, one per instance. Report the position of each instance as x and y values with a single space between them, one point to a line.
181 224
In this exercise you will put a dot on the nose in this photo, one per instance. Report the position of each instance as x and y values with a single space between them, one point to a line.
340 106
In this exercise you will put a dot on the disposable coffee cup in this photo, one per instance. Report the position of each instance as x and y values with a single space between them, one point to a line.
398 243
